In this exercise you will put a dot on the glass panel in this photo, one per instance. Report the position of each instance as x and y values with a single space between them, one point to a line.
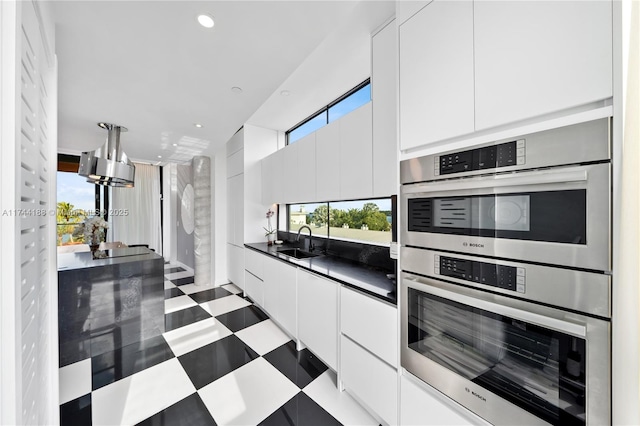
540 370
76 200
351 102
313 215
364 220
310 126
555 216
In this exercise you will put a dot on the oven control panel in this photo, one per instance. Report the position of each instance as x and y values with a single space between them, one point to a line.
488 157
501 276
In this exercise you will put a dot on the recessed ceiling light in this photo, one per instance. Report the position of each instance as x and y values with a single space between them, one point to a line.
159 156
174 144
236 89
285 93
205 20
198 125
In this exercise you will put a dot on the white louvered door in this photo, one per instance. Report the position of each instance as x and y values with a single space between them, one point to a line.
30 207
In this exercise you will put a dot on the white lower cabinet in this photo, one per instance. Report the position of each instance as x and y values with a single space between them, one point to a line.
318 316
235 265
280 293
254 288
420 404
372 381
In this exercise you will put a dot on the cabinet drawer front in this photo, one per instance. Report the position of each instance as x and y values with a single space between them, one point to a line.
318 316
372 381
254 288
371 323
253 262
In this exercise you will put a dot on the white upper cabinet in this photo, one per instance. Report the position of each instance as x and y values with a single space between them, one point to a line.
273 178
436 73
306 170
328 162
384 79
289 174
356 163
538 57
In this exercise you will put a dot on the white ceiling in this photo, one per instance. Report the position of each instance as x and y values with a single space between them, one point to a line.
148 66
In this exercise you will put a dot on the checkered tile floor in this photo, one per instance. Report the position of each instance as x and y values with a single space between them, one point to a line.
221 361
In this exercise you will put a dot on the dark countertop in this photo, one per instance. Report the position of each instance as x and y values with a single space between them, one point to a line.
350 273
81 260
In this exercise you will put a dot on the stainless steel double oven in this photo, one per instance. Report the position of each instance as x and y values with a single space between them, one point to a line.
506 275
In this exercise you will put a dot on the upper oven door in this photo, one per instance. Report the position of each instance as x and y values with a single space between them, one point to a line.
559 216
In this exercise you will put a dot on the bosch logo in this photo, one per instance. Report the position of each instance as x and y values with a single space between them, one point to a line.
478 245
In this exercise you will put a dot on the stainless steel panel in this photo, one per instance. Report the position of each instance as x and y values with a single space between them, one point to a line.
575 144
595 255
485 403
581 291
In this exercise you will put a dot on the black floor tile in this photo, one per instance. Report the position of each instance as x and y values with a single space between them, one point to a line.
184 317
210 362
300 367
191 411
207 295
76 412
242 318
183 281
301 411
115 365
172 270
173 292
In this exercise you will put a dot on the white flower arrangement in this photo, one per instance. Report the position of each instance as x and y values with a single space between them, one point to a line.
92 229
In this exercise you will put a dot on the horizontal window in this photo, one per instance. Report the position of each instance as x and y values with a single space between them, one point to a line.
353 99
360 221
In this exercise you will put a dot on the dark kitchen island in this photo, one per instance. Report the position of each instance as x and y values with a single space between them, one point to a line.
109 303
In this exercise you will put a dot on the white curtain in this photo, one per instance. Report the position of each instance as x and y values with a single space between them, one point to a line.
135 212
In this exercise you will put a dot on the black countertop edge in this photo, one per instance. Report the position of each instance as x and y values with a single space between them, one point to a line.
371 281
84 260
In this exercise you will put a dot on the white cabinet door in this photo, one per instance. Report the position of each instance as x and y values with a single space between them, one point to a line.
436 73
235 265
289 175
254 262
370 322
405 9
235 210
280 294
356 161
235 163
254 288
318 316
272 178
422 405
374 382
328 162
384 79
538 57
306 170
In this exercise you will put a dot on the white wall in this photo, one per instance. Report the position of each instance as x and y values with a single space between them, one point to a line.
28 300
219 160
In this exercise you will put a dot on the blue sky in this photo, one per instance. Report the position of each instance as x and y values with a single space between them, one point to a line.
75 189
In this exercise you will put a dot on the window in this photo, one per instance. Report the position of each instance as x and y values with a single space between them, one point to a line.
76 201
360 221
353 99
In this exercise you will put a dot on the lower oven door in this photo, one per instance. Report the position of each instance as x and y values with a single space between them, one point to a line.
509 361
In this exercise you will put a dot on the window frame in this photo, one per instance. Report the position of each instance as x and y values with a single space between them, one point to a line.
325 110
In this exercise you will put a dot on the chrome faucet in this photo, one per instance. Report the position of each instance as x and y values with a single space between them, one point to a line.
311 247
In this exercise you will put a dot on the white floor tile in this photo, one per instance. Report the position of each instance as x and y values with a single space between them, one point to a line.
134 398
169 266
224 305
247 395
177 275
232 288
193 336
263 337
340 405
178 303
75 380
168 285
192 288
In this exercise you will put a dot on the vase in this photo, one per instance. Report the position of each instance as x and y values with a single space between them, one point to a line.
270 239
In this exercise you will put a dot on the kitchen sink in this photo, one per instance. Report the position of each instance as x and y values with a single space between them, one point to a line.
297 253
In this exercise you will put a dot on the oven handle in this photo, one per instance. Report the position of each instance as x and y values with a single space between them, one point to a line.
531 317
538 177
